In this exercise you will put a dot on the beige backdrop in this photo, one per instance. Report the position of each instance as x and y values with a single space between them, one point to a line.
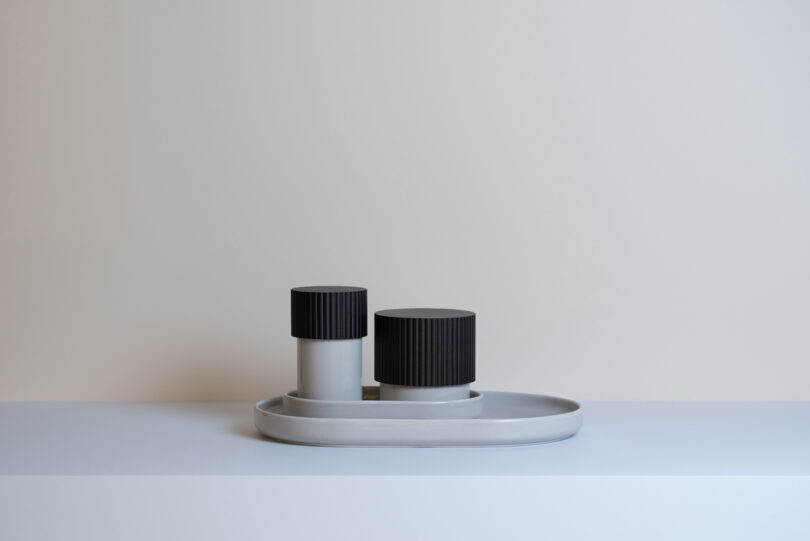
620 190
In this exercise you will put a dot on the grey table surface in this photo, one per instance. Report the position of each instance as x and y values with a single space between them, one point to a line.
617 439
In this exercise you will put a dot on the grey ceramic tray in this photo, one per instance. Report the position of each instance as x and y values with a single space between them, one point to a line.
506 419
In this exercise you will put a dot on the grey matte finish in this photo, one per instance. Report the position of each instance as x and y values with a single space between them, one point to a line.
330 369
507 419
372 407
389 391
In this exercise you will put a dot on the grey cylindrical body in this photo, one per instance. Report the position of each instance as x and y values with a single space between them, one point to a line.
437 394
330 369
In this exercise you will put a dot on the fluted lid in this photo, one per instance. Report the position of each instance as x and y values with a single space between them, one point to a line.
424 347
329 312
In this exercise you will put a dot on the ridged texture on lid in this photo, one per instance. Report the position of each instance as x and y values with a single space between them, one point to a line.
424 347
329 312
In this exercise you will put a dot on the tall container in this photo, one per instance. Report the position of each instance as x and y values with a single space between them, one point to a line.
330 323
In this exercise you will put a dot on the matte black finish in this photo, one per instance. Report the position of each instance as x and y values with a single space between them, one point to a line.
329 312
424 347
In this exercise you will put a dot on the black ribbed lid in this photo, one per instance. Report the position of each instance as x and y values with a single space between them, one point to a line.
329 312
424 347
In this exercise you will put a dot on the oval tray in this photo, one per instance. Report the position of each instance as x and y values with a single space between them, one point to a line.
372 407
507 419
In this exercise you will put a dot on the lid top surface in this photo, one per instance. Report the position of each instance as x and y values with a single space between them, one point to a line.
425 313
329 312
328 289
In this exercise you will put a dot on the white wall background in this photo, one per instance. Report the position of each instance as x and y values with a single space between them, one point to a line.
620 190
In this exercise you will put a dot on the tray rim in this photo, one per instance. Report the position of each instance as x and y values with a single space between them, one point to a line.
577 410
375 390
372 407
